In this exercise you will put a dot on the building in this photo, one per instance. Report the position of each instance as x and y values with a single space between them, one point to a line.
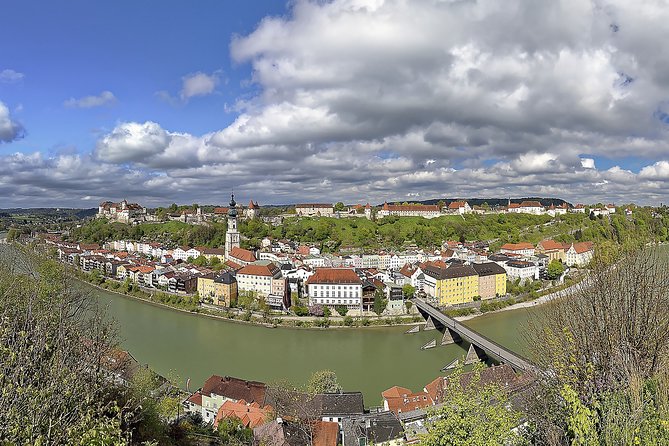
492 279
240 256
122 212
232 237
520 269
409 210
251 415
314 210
374 428
522 249
218 389
531 207
452 285
335 286
258 278
251 211
554 250
459 207
400 399
368 211
580 254
579 208
221 288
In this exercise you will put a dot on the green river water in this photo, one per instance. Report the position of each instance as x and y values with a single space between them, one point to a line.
370 359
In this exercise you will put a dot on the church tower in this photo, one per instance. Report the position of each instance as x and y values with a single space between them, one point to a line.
231 235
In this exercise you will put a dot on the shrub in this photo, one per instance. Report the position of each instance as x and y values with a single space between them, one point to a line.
348 321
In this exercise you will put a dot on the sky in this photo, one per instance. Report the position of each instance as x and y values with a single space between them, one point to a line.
342 100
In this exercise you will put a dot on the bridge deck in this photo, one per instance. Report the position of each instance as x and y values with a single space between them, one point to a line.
492 349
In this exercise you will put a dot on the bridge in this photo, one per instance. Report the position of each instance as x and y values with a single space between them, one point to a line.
480 348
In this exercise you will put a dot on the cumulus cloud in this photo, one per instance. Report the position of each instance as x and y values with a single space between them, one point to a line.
104 98
10 129
198 84
372 100
10 76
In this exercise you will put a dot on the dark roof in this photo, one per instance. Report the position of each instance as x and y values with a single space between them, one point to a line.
347 403
235 388
226 278
488 269
383 426
451 272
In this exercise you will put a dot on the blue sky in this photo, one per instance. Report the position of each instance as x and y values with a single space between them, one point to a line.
353 100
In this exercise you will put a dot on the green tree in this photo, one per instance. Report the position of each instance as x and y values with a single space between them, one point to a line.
408 291
200 261
475 414
380 302
339 206
232 432
555 269
341 309
324 381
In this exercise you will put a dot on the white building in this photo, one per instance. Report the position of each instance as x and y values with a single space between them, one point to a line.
580 254
335 286
519 269
314 210
409 210
523 249
258 278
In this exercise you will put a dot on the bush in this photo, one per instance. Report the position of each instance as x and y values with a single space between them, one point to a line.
364 321
300 310
348 321
327 312
341 309
316 310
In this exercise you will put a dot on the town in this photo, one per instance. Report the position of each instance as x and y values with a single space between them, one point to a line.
283 273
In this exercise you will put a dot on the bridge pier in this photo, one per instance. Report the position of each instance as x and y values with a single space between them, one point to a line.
450 337
431 344
429 324
475 354
414 329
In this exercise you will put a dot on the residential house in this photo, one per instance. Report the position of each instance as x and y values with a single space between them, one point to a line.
335 286
520 269
219 389
400 399
250 415
580 254
452 285
258 277
221 288
492 279
554 250
374 428
579 209
531 207
281 432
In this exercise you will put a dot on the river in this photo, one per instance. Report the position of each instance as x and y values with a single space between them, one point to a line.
366 359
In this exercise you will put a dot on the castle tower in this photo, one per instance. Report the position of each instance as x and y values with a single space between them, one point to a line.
368 212
232 234
252 210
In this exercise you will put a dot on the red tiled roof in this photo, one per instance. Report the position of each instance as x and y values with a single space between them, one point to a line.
401 399
235 388
242 254
517 246
334 275
233 265
457 205
514 205
221 210
582 247
251 415
313 205
269 270
550 245
196 398
530 204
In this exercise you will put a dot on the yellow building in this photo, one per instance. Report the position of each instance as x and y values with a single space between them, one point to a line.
453 285
222 289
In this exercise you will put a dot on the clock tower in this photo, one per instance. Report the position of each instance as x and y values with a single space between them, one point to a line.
231 235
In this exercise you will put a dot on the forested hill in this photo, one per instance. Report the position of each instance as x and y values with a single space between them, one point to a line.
332 234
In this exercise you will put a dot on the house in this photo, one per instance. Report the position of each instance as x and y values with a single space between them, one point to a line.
250 414
459 207
219 389
241 256
557 210
252 210
579 209
184 252
258 277
554 250
314 210
520 269
611 208
374 428
221 288
210 253
409 210
335 407
531 207
281 432
522 249
335 286
492 279
400 399
580 254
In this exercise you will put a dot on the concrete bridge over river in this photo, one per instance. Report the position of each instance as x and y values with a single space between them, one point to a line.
480 348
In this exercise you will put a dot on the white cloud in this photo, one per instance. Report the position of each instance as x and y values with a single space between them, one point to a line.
587 163
198 84
658 171
104 98
10 130
132 141
10 76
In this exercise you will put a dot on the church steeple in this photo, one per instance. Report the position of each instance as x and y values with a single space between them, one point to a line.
232 236
232 212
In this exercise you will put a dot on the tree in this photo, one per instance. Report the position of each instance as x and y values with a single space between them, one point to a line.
200 261
475 414
232 432
339 206
555 269
380 302
341 309
324 381
408 291
604 351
